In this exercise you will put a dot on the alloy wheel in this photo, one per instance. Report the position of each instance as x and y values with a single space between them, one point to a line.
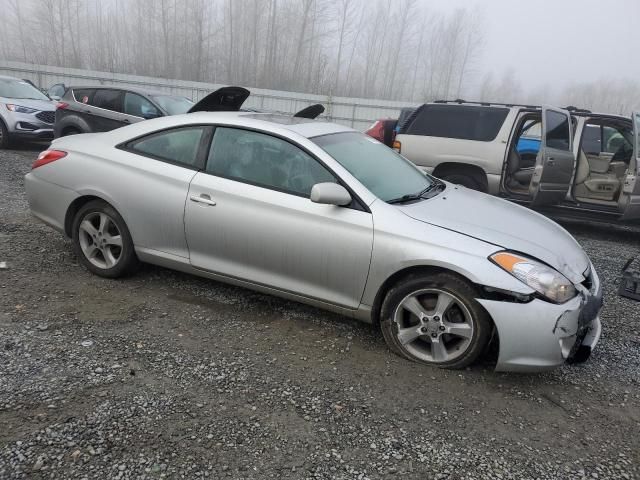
433 325
100 240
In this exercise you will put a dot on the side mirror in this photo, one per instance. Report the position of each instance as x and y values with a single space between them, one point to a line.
330 194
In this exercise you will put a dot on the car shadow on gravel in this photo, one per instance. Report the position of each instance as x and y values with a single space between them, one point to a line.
225 299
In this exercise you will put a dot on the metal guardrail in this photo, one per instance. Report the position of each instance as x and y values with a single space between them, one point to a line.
358 113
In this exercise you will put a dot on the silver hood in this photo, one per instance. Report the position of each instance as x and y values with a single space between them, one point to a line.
42 105
505 225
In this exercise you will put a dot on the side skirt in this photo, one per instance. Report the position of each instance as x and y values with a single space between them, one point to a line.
174 262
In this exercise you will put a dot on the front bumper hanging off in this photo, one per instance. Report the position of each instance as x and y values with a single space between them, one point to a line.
540 335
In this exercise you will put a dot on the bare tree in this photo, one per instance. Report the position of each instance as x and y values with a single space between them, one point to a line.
375 48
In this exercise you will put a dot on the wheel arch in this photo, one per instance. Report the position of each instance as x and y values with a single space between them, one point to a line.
72 122
73 209
423 270
402 274
475 171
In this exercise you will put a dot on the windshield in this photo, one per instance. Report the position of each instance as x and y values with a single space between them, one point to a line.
173 105
385 173
10 88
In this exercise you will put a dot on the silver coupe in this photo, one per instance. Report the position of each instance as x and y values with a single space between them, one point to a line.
322 214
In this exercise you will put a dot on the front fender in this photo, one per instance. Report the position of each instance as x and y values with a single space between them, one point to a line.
425 245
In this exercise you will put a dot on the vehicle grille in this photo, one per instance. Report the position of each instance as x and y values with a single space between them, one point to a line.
46 117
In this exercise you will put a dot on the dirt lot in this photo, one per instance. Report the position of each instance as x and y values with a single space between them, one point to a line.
165 375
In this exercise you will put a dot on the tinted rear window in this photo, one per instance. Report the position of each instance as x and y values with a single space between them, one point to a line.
107 99
453 121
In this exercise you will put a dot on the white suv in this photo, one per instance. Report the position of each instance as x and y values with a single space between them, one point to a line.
570 160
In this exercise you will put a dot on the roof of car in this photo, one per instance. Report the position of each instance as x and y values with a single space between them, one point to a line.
141 91
575 111
6 77
279 124
302 126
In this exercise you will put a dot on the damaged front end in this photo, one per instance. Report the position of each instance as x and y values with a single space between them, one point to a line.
540 335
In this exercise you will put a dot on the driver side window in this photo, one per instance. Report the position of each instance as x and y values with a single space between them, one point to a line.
139 106
265 161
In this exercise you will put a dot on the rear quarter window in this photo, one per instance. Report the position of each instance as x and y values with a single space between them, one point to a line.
458 121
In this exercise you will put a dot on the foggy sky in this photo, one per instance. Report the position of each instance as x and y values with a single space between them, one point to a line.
557 42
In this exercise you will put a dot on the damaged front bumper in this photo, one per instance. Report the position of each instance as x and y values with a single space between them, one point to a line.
539 335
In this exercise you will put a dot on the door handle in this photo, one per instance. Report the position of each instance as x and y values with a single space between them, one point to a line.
204 198
551 161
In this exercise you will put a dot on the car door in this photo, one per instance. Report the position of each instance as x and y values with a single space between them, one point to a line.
153 182
555 160
104 112
249 217
137 108
629 201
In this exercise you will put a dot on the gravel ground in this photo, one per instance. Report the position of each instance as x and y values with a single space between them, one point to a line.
165 375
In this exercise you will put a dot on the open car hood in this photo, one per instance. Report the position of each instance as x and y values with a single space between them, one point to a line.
312 111
225 99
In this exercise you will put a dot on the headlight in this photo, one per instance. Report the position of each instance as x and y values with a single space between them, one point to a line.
20 109
543 279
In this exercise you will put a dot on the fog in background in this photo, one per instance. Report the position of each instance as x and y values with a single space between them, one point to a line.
569 52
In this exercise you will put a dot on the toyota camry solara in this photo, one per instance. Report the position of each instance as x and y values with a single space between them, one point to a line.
322 214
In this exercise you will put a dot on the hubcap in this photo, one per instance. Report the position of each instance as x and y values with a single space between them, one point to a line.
433 325
100 240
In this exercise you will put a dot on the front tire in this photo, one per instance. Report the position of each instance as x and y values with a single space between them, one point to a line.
102 241
468 181
5 141
435 320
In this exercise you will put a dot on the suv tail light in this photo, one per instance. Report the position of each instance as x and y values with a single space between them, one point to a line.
397 146
48 156
376 131
61 105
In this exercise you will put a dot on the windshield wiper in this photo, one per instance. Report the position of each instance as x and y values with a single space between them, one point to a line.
411 197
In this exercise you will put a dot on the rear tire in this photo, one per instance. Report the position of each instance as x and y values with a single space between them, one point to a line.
435 320
70 131
102 241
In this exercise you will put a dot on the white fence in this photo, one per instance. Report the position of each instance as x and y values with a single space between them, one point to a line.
358 113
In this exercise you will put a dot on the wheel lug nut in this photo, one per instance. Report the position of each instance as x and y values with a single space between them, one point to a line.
436 319
434 335
442 328
424 329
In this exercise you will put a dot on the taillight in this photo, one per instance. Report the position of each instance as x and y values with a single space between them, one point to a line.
397 146
61 105
48 156
376 131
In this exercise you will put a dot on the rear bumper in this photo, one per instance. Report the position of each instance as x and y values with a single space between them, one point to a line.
48 202
539 335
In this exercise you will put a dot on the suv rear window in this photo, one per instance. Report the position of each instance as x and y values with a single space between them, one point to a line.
107 99
458 121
